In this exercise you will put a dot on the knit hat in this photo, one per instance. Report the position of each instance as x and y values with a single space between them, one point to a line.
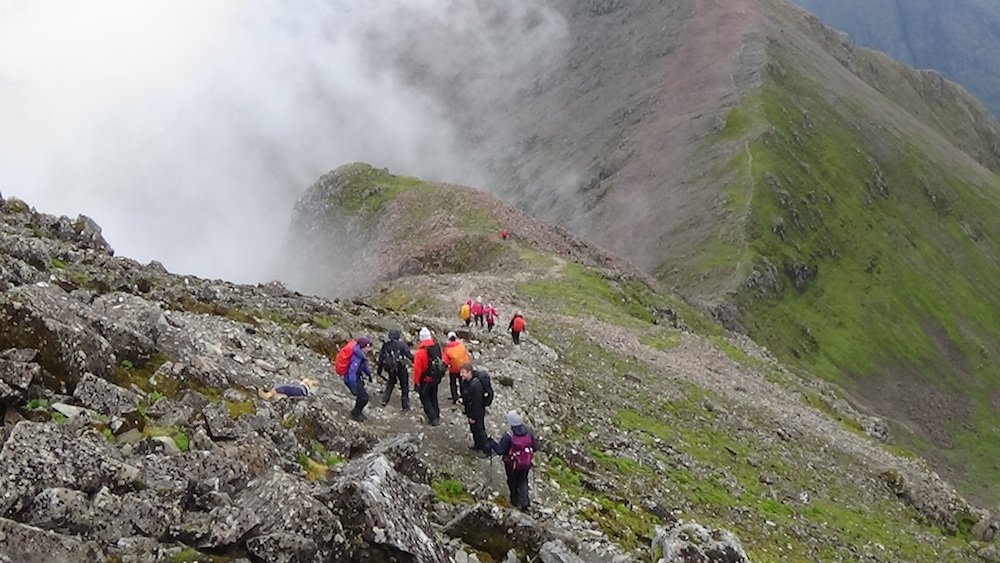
514 419
364 342
394 334
452 336
425 334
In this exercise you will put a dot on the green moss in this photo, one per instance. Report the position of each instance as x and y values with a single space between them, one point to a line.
314 471
628 526
240 408
451 491
662 340
399 298
186 555
322 321
57 263
819 403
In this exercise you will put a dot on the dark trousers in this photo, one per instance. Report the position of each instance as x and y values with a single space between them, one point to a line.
404 388
479 321
360 397
489 326
429 400
517 482
479 439
516 335
453 382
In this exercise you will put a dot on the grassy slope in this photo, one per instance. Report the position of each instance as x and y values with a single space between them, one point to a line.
702 464
903 241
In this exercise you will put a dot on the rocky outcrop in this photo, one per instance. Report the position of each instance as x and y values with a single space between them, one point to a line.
496 530
27 544
690 542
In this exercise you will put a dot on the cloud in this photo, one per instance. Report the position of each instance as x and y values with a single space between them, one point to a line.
187 129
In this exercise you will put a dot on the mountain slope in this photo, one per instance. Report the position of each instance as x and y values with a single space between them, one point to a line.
960 41
836 205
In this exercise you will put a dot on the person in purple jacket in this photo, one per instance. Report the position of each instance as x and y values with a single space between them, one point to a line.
359 366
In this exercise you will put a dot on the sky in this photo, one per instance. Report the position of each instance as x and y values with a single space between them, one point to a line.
187 129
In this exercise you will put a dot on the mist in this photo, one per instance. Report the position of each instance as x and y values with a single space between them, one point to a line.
188 129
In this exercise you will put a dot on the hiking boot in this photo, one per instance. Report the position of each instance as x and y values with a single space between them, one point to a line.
359 417
383 404
406 408
483 455
435 422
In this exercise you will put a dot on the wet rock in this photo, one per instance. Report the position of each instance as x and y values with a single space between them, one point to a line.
105 397
27 544
380 507
690 542
38 456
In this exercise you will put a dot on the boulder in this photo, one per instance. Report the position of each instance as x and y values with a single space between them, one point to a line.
105 397
386 519
285 505
223 526
38 456
27 544
690 542
62 329
496 530
18 375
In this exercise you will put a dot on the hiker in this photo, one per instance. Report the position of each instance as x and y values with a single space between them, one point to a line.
491 317
455 356
465 311
426 361
518 447
504 234
474 401
391 359
353 380
284 391
477 311
516 327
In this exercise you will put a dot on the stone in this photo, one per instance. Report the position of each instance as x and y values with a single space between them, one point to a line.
283 548
690 542
38 456
105 397
495 530
557 552
28 544
18 375
379 507
223 526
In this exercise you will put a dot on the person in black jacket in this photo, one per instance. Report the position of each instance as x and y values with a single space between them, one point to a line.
517 447
391 359
475 409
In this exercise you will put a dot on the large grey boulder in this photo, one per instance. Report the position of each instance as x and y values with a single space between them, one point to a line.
286 505
27 544
62 329
39 456
223 526
557 552
690 542
15 377
386 519
105 397
283 548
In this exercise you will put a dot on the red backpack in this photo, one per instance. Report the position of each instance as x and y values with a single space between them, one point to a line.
477 308
518 325
521 454
343 362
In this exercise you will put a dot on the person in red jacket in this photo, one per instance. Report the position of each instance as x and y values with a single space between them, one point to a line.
477 311
490 313
426 386
516 327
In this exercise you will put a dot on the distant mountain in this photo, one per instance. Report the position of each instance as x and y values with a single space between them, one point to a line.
960 39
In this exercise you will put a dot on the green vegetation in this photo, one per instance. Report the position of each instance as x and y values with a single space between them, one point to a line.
179 435
240 408
186 555
451 491
57 263
873 256
314 471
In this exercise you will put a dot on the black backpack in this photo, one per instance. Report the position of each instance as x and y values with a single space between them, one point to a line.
484 379
393 359
435 365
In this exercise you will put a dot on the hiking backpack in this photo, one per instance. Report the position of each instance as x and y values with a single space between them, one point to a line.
518 325
521 453
435 365
464 312
484 379
343 362
393 360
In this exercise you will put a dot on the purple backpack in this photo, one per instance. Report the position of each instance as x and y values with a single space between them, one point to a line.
521 454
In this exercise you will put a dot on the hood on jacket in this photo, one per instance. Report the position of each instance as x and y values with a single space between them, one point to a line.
395 334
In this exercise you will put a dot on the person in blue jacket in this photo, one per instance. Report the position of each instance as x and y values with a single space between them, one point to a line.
359 366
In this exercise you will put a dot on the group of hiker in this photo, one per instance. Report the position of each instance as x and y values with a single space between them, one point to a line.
476 312
469 387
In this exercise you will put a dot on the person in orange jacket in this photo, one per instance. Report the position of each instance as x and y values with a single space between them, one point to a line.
455 356
516 327
423 380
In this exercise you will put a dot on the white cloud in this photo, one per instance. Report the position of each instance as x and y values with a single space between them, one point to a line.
188 128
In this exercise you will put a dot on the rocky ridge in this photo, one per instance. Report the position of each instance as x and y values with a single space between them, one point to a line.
132 431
